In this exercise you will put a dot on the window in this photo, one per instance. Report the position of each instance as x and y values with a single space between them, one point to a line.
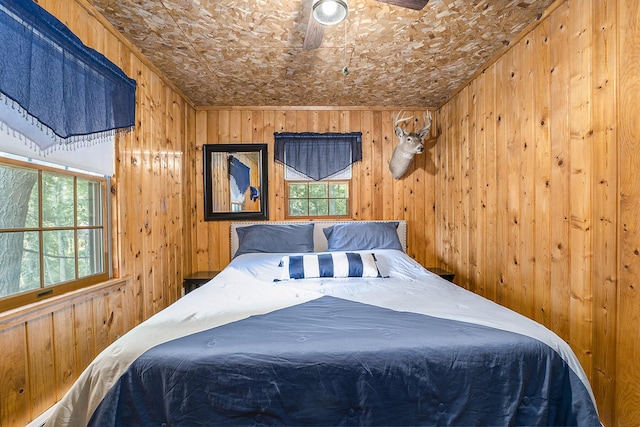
53 233
317 199
317 172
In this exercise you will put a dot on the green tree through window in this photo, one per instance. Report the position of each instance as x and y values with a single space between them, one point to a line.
318 198
52 229
18 200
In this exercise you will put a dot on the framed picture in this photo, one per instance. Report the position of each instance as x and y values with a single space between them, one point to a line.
235 182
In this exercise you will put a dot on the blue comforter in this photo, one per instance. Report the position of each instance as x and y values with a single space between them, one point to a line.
331 361
407 348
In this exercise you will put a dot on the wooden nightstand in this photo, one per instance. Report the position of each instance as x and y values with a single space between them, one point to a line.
197 279
442 273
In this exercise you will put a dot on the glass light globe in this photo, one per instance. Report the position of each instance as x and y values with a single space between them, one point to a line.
329 12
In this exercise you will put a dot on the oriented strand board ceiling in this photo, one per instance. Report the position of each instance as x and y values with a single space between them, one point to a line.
250 53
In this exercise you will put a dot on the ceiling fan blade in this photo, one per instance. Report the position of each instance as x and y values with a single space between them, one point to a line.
410 4
313 37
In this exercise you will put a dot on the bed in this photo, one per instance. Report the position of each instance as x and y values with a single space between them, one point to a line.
331 323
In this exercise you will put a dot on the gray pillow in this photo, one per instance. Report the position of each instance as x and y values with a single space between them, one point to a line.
363 236
282 238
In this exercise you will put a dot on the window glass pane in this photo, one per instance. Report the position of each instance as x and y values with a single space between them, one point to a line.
298 191
19 197
89 202
339 191
59 256
20 262
57 200
317 191
90 252
318 207
52 229
298 208
338 207
30 271
318 198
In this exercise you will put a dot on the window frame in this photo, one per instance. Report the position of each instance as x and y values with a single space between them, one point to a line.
316 217
47 291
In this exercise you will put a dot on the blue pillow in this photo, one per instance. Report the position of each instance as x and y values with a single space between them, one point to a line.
280 238
360 236
334 264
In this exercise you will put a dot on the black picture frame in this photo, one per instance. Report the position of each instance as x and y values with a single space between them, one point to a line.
228 168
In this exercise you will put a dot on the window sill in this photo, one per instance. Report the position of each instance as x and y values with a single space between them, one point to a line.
27 312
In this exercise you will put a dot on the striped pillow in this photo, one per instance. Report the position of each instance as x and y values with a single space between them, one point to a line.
334 264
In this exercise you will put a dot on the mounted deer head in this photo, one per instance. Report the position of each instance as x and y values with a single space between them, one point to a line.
410 144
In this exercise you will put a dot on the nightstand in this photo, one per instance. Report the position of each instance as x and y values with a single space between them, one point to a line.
442 273
197 279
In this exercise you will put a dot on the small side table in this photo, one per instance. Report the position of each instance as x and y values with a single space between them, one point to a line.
197 279
442 273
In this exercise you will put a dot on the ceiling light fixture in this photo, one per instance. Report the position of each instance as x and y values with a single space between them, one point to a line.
329 12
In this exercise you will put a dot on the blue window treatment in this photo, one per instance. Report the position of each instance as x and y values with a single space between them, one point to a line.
240 172
318 155
55 81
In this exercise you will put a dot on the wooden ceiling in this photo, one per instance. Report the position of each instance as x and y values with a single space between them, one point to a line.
250 53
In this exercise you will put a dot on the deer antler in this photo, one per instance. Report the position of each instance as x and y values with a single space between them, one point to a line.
426 127
403 119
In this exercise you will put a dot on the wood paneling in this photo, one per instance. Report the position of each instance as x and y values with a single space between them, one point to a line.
604 214
549 131
627 373
45 346
15 409
374 193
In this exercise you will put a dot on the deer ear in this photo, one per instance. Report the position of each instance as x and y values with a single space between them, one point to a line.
424 133
399 131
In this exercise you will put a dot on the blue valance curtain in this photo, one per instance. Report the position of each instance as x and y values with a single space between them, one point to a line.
318 155
56 82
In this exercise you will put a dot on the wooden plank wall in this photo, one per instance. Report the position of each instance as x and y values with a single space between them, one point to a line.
45 347
374 193
538 191
628 228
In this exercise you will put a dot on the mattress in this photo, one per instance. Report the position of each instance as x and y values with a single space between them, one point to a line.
406 347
